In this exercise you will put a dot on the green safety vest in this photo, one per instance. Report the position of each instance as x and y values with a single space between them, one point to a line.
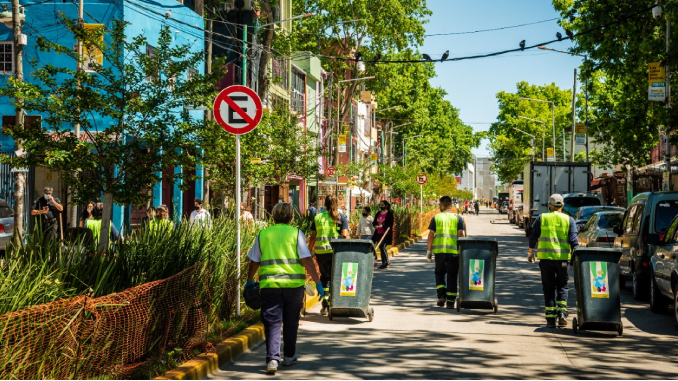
445 239
280 265
95 227
553 243
325 228
157 225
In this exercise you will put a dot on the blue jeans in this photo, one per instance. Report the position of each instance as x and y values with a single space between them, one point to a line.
281 305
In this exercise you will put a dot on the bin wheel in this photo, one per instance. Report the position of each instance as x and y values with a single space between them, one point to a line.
458 302
329 313
575 327
370 315
620 331
496 306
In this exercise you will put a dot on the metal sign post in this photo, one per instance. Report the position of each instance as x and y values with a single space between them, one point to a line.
238 110
421 179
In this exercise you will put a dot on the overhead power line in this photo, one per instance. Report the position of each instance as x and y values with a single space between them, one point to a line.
490 30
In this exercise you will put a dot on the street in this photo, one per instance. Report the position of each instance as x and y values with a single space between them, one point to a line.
412 338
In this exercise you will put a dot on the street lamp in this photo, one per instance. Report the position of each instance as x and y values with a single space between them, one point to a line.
553 122
543 135
533 139
586 102
405 148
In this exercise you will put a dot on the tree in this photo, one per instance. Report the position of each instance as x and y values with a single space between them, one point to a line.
131 110
512 149
620 38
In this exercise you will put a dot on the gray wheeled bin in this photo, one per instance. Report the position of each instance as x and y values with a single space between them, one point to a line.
596 282
477 269
351 283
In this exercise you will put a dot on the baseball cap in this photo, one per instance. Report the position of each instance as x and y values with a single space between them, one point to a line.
556 200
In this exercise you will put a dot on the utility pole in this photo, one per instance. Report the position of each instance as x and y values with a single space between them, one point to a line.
72 205
19 176
574 107
667 156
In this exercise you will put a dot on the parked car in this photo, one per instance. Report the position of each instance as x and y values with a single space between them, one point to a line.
664 277
574 201
503 208
6 224
519 220
645 223
597 232
584 213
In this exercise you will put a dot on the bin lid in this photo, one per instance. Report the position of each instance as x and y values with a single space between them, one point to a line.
491 244
614 252
361 245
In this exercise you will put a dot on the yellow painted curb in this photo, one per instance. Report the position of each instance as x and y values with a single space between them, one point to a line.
392 252
207 363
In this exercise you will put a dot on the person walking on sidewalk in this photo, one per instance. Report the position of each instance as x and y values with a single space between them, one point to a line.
555 236
327 225
444 229
384 227
365 224
280 256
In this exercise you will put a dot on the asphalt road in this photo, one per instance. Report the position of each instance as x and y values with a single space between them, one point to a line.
412 338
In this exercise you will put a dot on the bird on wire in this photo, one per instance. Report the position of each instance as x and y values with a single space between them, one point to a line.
376 58
522 45
559 36
445 55
358 56
569 33
427 57
168 14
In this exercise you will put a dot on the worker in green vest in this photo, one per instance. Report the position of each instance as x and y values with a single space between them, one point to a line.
327 225
162 222
444 229
94 224
554 234
280 256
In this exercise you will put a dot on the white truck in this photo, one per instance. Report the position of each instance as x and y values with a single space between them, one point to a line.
515 191
542 179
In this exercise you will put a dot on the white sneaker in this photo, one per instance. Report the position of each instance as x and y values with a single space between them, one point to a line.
429 257
287 361
272 367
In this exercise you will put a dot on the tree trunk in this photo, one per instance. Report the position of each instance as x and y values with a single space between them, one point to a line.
105 235
267 41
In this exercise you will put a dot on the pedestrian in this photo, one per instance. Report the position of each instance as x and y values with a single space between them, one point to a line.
200 216
94 224
311 211
444 229
47 208
476 206
384 228
86 213
555 236
161 222
280 256
365 228
466 206
245 214
150 216
326 225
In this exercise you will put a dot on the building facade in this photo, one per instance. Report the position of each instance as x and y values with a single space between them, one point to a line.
485 179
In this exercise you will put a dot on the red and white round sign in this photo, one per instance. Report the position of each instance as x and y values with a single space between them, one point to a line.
422 179
330 172
238 109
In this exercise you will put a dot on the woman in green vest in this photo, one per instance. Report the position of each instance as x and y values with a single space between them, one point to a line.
280 256
325 226
94 224
161 221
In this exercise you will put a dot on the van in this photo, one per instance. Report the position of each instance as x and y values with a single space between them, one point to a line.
644 223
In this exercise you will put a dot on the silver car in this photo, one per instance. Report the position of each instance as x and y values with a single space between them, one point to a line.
6 224
598 230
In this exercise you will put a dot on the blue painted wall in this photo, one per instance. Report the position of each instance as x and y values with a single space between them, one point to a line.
145 17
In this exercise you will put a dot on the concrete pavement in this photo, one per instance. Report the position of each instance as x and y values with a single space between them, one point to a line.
412 338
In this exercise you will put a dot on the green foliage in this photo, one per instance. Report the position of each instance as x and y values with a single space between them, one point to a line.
621 117
512 149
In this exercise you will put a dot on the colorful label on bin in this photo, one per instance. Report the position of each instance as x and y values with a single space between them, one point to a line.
477 271
600 286
349 276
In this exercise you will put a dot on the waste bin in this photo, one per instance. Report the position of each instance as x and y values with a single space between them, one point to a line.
477 269
596 275
351 283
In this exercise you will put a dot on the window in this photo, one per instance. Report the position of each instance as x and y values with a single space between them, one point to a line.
665 211
297 91
151 72
670 232
628 224
638 218
6 57
607 221
6 211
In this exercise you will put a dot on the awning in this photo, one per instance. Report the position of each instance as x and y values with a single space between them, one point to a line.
358 191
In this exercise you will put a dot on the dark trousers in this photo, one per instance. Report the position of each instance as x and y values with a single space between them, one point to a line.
382 248
325 266
281 306
447 264
554 279
49 228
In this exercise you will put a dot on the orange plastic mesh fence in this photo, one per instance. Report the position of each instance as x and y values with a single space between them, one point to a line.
86 337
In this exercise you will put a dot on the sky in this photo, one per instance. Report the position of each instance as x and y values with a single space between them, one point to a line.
472 85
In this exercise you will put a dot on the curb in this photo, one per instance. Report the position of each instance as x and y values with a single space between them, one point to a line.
207 363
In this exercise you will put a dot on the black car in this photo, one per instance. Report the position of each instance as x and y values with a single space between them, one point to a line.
585 212
664 280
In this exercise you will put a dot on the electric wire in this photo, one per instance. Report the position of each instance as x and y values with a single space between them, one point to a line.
490 30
